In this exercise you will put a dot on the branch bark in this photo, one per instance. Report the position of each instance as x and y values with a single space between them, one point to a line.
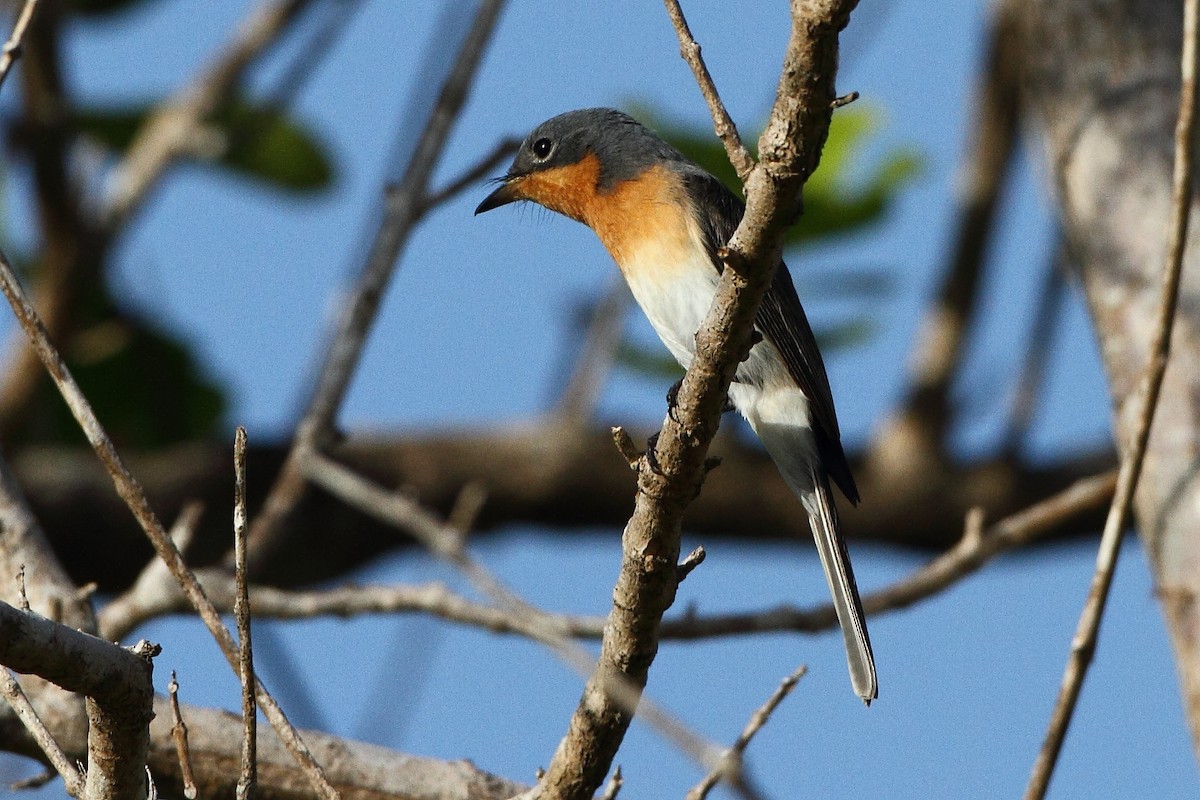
116 681
789 149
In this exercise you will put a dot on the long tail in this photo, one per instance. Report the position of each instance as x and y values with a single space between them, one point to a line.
822 517
793 449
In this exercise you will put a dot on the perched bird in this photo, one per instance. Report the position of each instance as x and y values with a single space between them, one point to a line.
663 219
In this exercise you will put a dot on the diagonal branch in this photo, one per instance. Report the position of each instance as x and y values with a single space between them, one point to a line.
404 207
789 150
919 427
12 48
725 128
131 492
169 133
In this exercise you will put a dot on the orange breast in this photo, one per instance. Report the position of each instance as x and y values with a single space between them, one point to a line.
642 222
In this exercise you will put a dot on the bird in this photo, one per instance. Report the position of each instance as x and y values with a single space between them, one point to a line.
664 221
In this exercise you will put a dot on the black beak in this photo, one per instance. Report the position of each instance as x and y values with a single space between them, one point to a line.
506 193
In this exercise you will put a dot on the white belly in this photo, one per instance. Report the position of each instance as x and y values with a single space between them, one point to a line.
676 301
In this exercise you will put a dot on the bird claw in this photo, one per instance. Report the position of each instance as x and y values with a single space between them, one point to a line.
672 398
651 458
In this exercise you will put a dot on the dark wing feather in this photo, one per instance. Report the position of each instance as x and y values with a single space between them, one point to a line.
781 319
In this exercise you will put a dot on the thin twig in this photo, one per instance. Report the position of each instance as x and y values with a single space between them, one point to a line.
446 542
1083 645
971 553
730 768
614 785
248 776
12 48
131 492
403 210
179 735
595 360
72 779
726 130
481 169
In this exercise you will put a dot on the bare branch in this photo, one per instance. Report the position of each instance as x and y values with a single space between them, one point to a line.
789 150
170 131
472 175
1083 645
131 492
116 681
404 207
730 769
446 542
179 735
917 430
725 128
12 48
72 779
248 776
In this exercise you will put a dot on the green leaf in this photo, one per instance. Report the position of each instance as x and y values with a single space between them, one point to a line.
260 143
265 144
833 203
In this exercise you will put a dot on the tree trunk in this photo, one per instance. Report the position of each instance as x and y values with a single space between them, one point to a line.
1104 84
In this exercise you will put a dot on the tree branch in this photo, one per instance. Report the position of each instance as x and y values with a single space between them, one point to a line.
725 128
72 779
12 48
131 492
789 150
404 207
116 681
168 133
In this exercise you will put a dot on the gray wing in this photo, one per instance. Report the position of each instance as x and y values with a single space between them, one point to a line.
781 319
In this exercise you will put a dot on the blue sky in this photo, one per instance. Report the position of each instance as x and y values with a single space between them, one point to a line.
475 329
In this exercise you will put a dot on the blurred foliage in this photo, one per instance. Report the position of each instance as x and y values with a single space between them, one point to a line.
143 380
258 142
836 200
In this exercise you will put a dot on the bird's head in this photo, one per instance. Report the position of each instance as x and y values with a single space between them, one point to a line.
569 160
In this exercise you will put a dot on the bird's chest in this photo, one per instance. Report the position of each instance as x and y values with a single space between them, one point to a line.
674 287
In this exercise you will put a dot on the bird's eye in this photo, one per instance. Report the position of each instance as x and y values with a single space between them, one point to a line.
542 147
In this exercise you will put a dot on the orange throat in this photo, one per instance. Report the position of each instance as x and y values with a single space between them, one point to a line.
650 210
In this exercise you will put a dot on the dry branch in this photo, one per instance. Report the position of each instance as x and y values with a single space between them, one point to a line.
404 206
116 681
12 48
170 132
131 492
1145 403
789 150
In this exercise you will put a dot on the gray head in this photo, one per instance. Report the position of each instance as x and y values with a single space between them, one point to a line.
621 146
